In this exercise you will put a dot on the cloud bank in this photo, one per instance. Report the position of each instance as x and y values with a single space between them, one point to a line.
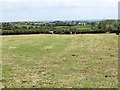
14 10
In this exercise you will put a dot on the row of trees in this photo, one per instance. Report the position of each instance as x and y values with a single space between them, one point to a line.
108 27
43 31
111 26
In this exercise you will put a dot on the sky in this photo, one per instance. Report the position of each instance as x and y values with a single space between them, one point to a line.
36 10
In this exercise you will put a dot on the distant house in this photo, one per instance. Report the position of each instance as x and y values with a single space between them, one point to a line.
81 23
97 22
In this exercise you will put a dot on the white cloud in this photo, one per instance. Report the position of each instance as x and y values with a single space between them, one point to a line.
67 3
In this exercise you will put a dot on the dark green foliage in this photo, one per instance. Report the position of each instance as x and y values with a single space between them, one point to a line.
8 26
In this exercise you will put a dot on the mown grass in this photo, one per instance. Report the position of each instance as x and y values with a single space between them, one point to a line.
50 61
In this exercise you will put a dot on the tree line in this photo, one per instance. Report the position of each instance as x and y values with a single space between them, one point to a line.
13 28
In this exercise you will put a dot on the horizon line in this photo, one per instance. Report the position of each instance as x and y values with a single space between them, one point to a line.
58 20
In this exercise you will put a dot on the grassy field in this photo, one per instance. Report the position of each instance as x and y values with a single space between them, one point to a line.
48 61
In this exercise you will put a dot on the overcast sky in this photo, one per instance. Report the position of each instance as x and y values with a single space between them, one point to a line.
27 10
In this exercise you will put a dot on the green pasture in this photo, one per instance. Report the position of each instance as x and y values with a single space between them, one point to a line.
60 61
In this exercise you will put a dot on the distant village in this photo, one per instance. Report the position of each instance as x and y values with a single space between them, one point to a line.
59 23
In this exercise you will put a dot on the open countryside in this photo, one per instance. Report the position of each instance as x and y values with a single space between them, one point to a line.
49 44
